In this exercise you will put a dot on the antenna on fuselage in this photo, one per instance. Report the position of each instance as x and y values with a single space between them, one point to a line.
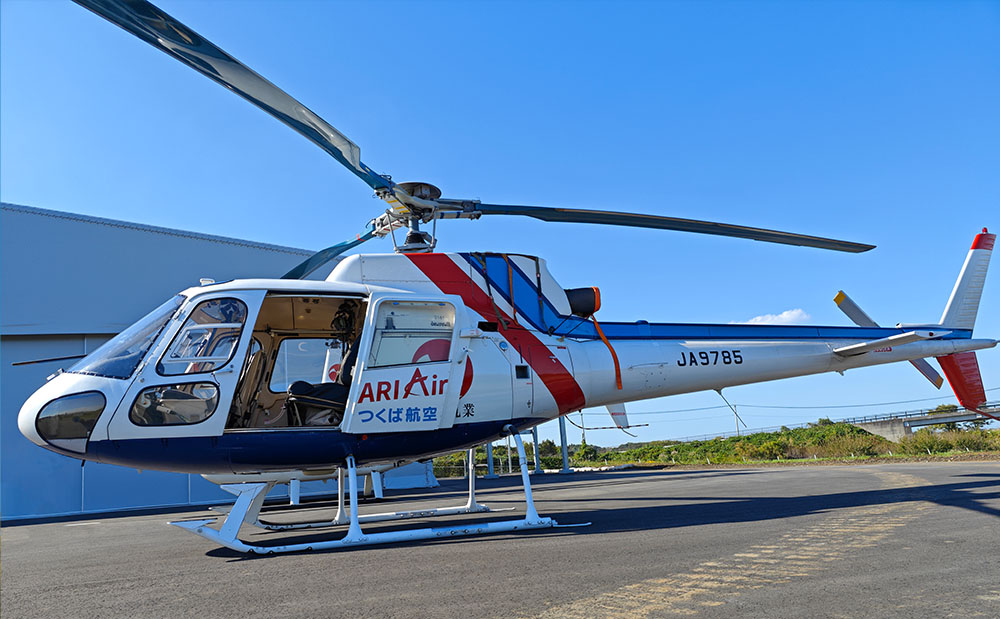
739 419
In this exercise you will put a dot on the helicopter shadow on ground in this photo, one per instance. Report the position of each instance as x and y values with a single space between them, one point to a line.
590 479
602 480
970 493
503 493
702 510
456 489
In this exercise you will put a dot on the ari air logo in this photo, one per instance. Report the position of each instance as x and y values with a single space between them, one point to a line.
419 385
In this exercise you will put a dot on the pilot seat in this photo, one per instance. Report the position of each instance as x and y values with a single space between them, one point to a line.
322 404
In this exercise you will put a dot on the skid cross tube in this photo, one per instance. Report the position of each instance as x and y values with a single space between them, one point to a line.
250 498
470 507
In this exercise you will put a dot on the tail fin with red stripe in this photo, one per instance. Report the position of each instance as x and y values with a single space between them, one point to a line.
962 369
963 305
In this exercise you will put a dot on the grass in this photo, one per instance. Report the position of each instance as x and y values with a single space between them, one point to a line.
821 442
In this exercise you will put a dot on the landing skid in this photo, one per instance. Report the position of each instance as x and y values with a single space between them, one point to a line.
250 499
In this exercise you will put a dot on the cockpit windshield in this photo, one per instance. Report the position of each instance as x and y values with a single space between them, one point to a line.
120 356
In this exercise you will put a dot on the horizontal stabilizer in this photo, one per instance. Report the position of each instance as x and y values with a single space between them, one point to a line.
962 370
888 342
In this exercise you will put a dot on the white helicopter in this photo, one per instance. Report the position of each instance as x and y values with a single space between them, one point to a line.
398 358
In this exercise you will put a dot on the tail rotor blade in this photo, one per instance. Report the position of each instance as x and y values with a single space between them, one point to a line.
928 371
853 310
860 318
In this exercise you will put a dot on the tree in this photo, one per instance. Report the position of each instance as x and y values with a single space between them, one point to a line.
977 424
585 452
547 448
945 409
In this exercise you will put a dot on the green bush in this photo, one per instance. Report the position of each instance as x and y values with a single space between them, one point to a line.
973 440
551 462
585 453
770 450
823 439
925 441
856 445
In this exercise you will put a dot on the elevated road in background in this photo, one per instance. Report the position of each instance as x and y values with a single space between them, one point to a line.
915 419
895 426
884 540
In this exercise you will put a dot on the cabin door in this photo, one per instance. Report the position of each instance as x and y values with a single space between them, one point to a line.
409 369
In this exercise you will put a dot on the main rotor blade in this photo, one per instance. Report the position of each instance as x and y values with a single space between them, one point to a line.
638 220
315 261
165 33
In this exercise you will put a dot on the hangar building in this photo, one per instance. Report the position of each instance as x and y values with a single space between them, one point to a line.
69 283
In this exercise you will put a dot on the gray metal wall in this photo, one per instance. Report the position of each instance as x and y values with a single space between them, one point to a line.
68 283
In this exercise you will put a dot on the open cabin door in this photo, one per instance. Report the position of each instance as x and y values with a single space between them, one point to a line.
410 366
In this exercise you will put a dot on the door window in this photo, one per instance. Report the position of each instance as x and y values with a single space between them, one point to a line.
408 332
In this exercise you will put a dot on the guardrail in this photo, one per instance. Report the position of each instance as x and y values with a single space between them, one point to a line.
988 406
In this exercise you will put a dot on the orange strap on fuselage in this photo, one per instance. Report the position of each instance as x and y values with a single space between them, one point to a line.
614 355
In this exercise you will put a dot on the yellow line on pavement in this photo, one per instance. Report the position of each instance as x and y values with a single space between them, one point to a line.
797 554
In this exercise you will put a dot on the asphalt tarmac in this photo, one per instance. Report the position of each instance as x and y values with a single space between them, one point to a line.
884 540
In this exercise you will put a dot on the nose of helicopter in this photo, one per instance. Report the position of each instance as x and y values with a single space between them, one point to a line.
61 420
29 413
26 424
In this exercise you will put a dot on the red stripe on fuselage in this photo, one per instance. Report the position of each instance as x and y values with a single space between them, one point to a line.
451 279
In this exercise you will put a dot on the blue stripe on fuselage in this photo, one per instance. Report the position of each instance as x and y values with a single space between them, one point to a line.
552 322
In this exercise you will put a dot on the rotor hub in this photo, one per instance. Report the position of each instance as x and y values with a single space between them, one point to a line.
424 191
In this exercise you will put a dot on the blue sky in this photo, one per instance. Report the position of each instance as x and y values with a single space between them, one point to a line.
869 121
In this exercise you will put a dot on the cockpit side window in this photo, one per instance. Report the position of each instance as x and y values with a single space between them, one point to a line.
172 405
408 332
207 339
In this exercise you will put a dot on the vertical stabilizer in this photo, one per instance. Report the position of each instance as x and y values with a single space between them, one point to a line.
618 415
962 370
960 313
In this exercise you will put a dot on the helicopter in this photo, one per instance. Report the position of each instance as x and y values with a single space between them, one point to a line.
400 357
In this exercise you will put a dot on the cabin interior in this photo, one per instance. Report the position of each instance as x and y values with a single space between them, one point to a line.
292 370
